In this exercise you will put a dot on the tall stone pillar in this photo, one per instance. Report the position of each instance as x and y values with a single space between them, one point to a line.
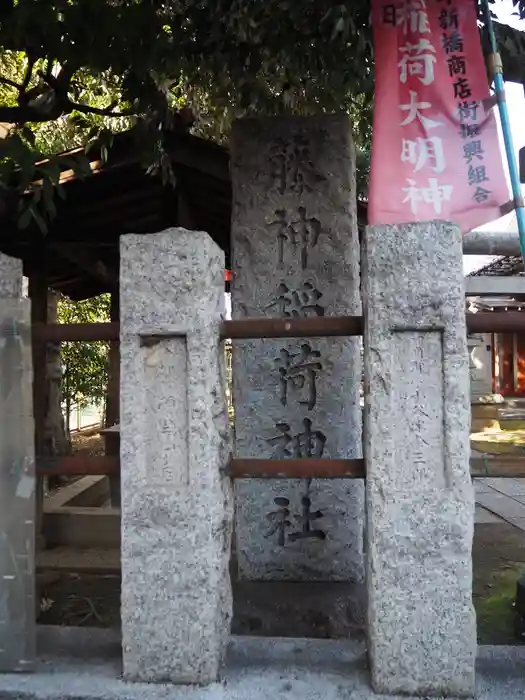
296 254
420 502
17 475
176 501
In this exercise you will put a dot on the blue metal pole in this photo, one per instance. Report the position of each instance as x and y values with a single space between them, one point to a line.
497 70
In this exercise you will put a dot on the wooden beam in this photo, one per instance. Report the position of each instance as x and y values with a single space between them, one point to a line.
111 202
114 217
197 154
297 468
185 217
85 260
61 332
497 466
317 327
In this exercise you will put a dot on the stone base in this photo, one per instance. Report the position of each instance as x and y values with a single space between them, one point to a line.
314 610
86 664
310 609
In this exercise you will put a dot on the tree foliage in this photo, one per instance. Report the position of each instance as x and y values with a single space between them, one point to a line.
72 72
84 364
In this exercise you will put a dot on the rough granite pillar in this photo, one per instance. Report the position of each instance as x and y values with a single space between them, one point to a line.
17 475
296 254
176 501
420 502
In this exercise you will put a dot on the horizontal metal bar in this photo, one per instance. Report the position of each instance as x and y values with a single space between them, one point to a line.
354 468
251 328
296 468
318 327
501 466
62 332
77 464
244 329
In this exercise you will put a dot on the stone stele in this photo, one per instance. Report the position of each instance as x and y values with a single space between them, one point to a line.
177 506
420 502
17 475
11 277
296 254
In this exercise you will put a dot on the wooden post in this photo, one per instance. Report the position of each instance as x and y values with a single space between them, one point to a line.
38 296
185 217
113 401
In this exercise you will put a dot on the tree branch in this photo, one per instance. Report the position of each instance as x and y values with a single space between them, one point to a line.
29 73
104 112
11 83
22 114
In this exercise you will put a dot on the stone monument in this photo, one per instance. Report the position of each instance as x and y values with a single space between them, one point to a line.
420 501
296 254
176 500
17 475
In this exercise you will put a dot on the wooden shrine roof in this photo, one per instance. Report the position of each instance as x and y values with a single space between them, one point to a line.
507 266
80 251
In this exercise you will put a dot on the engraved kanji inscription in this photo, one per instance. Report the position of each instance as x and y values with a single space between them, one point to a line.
292 169
306 518
298 231
280 521
308 443
298 372
294 303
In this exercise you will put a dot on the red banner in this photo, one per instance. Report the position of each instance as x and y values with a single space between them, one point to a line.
435 149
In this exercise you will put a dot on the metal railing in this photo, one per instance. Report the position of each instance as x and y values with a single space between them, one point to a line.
251 468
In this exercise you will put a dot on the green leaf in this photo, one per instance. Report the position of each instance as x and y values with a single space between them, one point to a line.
82 166
90 145
40 222
29 135
79 120
37 195
25 219
93 132
49 199
60 191
51 170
